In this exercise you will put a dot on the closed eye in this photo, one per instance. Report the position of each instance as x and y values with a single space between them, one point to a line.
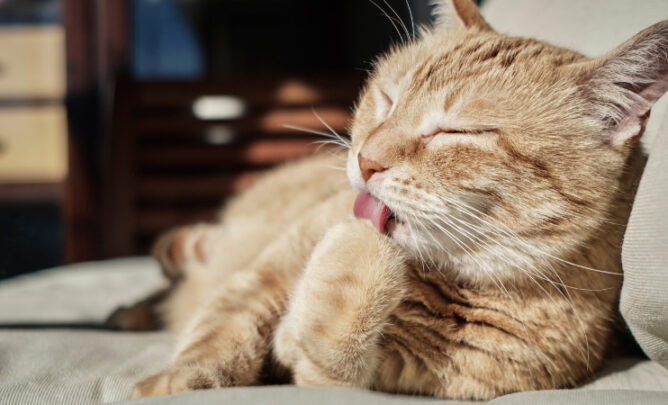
384 104
448 136
463 131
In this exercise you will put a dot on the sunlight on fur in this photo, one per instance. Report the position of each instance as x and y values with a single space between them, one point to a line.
492 178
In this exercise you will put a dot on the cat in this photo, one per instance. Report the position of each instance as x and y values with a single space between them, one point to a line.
476 254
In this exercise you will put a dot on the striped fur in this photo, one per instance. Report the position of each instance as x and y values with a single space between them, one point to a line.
511 174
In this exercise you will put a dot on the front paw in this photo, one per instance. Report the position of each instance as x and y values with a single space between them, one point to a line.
178 379
354 279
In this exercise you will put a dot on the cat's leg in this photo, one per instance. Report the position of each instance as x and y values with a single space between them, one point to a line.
178 251
228 339
354 279
196 257
226 342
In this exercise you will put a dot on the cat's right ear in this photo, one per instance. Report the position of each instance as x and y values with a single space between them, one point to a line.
625 84
452 14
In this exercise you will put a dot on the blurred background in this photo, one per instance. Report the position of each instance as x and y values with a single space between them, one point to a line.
122 118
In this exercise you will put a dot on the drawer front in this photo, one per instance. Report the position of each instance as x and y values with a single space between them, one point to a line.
33 144
32 62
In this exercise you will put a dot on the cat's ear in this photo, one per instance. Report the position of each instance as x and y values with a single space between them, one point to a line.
450 14
627 82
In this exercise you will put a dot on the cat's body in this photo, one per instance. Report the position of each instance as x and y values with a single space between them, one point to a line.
485 258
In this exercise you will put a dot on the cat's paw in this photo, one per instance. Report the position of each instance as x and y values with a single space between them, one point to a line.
169 251
178 379
181 247
354 279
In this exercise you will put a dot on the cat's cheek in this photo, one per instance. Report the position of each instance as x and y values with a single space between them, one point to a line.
353 172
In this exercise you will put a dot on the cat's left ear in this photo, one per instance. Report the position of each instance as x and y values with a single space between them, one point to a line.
452 14
626 83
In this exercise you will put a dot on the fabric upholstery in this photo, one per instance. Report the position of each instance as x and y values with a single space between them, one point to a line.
644 301
53 351
68 361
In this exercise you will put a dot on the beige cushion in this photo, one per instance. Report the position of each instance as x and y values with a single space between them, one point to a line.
81 367
59 356
644 302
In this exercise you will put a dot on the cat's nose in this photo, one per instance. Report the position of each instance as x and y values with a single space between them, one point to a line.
368 167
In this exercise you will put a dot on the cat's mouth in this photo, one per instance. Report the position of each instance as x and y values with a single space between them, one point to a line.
380 215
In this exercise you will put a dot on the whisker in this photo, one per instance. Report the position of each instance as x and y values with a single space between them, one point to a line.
331 142
516 237
392 20
307 130
410 14
434 215
333 139
499 284
398 17
542 277
467 235
329 127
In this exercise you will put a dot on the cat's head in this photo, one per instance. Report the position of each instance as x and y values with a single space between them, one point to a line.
475 149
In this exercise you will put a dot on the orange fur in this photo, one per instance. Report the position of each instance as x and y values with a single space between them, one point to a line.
510 167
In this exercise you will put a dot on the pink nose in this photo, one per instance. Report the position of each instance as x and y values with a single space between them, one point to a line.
368 167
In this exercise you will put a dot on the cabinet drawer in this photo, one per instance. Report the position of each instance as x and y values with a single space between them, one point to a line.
32 62
33 144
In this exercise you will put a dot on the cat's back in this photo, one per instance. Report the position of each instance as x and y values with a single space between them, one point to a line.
285 192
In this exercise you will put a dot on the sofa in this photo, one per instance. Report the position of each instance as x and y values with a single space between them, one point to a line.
54 350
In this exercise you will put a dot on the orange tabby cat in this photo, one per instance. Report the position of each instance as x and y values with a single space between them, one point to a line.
493 179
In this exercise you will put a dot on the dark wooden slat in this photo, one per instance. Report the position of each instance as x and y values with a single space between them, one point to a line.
169 168
120 167
157 221
261 152
273 121
19 192
80 212
257 91
181 187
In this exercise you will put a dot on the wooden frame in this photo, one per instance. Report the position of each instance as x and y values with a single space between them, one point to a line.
97 49
164 171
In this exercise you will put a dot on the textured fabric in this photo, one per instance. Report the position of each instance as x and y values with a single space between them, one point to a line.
82 366
52 347
644 301
59 354
76 367
334 396
84 293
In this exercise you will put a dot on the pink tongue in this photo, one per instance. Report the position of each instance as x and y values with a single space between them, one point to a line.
369 207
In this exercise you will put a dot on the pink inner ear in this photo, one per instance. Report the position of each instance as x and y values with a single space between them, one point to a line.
628 130
631 128
657 89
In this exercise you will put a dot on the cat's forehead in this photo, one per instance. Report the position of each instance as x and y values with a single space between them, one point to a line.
469 59
483 77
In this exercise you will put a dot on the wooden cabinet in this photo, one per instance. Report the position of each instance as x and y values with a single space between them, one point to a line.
168 166
33 124
32 62
33 138
33 144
